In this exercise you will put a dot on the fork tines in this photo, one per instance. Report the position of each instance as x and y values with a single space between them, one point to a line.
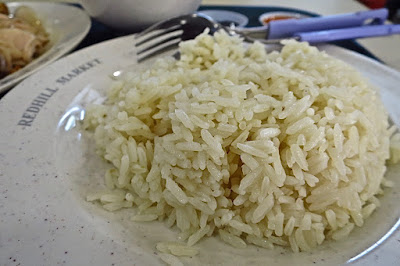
150 43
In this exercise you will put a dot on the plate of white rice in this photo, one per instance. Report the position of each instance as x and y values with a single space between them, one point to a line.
231 154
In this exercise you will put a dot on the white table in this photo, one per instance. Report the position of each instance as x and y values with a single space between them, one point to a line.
385 48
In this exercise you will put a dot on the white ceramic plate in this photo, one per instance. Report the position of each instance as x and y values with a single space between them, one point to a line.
67 26
47 166
226 17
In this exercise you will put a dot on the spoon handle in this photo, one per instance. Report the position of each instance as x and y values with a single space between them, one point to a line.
287 28
279 29
349 33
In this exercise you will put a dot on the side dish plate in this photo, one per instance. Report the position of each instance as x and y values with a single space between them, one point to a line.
67 26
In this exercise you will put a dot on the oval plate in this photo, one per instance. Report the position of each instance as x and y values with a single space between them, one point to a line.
48 166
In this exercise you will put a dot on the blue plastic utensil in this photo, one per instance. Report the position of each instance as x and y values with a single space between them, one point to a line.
348 33
286 28
278 29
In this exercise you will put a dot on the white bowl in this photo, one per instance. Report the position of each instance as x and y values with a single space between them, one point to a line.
226 17
134 15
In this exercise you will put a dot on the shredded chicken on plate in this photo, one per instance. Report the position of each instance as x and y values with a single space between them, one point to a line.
22 38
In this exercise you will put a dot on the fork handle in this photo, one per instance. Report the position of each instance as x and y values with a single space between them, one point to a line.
286 28
349 33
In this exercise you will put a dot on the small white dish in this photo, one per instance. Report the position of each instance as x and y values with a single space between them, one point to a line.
269 16
226 17
47 167
134 15
67 26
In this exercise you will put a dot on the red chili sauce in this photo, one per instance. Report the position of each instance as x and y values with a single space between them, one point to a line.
277 17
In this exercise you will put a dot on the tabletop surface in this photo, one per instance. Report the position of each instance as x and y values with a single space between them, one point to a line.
385 48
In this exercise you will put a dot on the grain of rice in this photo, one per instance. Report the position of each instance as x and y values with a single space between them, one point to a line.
299 125
176 248
144 217
249 179
184 118
293 243
116 197
277 240
311 179
289 226
114 206
298 156
306 222
170 259
232 240
357 218
252 151
249 161
269 132
200 206
279 218
173 187
261 242
262 209
241 226
367 210
193 239
301 241
343 232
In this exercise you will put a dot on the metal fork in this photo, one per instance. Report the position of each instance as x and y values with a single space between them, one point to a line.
167 34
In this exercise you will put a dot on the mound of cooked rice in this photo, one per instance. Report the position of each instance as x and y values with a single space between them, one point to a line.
285 148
